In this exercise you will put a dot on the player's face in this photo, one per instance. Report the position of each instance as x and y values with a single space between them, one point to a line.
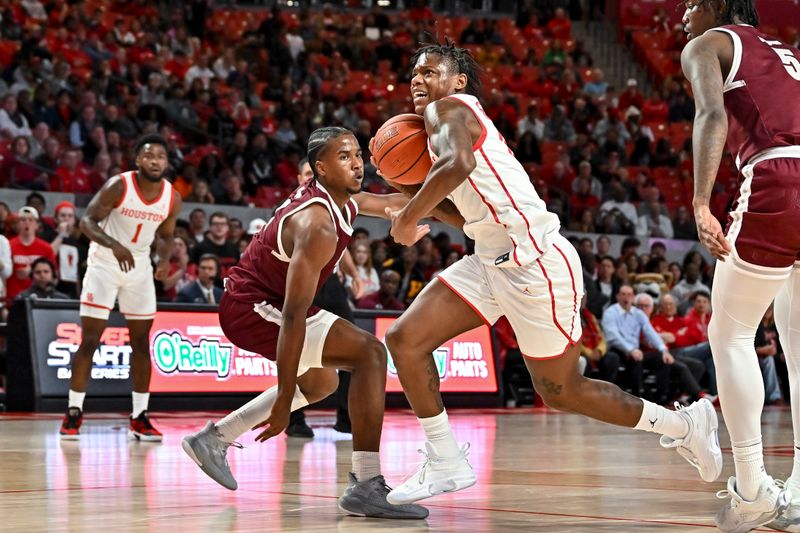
341 166
306 174
434 78
152 161
697 17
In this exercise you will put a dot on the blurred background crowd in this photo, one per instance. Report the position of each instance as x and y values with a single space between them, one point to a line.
237 91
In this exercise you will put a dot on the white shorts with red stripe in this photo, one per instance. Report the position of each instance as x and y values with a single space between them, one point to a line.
541 300
105 281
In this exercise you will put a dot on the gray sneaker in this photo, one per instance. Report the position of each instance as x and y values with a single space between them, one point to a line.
209 451
368 498
788 521
741 516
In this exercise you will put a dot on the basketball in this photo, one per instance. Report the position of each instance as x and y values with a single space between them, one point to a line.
401 150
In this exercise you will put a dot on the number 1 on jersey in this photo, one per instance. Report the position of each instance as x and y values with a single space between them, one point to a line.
136 235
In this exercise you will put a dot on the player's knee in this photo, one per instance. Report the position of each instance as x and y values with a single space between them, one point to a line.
398 341
375 353
555 394
89 342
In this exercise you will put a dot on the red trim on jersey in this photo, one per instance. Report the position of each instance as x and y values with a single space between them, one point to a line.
574 291
440 278
171 201
124 191
494 214
139 192
139 314
90 304
479 143
513 203
552 300
570 344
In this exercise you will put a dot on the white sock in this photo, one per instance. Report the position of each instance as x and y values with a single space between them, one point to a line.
76 399
748 456
794 479
140 400
254 412
366 465
657 419
439 434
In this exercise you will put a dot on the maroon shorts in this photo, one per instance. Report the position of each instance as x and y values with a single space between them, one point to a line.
764 222
245 328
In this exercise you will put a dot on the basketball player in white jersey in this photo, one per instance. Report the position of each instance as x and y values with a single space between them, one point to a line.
522 268
122 220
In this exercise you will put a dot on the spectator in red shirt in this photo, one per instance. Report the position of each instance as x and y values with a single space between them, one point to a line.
559 26
386 296
25 249
684 340
631 96
698 317
583 198
655 109
72 175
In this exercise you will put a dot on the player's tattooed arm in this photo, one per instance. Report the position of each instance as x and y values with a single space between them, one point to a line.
701 62
98 209
164 237
451 129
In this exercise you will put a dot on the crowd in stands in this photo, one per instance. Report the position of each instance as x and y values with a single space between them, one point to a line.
236 94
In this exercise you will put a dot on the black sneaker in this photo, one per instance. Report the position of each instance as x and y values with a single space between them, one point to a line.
343 425
71 426
300 429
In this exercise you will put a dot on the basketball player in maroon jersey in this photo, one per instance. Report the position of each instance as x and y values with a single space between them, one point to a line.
746 87
522 268
267 309
122 220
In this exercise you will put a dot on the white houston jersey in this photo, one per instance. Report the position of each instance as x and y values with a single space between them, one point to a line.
504 215
133 221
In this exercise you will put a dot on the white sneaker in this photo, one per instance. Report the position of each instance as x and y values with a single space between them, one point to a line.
740 516
788 521
436 476
701 445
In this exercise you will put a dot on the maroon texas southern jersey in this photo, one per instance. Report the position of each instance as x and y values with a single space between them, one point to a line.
761 93
260 275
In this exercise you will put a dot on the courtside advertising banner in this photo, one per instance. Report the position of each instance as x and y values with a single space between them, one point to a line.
190 354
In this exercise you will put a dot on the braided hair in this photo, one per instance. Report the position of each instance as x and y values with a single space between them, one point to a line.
741 10
459 59
319 139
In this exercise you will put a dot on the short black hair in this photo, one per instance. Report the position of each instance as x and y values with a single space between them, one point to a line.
46 261
152 138
33 195
458 58
210 257
319 139
740 10
219 214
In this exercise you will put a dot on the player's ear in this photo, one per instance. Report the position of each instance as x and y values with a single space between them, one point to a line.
461 82
319 167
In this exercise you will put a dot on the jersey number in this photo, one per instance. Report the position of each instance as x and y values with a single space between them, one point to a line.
790 63
136 235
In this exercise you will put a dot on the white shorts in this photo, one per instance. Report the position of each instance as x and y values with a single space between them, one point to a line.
317 328
104 281
541 301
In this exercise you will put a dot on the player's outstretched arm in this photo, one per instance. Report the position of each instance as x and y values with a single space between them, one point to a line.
375 205
98 209
309 238
164 237
700 61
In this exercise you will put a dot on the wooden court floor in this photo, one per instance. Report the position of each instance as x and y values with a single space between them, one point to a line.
537 471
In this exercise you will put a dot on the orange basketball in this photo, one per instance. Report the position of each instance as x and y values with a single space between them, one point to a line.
401 149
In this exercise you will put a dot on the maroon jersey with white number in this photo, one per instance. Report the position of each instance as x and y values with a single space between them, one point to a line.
260 275
761 93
